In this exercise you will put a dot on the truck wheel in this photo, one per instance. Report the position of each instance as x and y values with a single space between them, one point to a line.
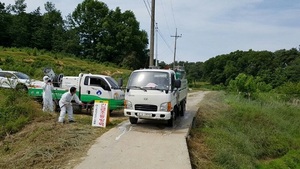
56 106
133 120
171 121
21 87
182 110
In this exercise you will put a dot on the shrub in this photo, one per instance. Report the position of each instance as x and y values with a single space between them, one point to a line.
289 88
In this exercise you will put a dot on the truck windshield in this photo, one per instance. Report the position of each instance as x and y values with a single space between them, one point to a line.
149 80
112 82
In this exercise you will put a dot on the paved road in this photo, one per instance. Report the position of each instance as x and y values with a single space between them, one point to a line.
146 145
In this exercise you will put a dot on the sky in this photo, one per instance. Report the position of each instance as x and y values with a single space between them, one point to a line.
206 28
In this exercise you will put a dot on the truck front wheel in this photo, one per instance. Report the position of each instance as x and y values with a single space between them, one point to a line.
171 121
183 108
133 120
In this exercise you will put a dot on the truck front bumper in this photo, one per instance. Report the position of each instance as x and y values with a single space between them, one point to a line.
158 115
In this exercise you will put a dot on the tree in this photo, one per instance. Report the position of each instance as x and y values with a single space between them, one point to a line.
50 33
87 20
194 71
109 36
19 7
19 29
5 22
243 84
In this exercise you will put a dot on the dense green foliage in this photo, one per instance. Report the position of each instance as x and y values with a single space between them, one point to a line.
92 32
271 68
241 133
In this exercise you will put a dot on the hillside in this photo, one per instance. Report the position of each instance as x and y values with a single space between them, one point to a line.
32 62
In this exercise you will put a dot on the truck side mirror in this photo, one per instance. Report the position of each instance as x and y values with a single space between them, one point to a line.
177 83
120 82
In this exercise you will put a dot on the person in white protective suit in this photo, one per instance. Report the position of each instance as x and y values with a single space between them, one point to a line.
65 104
47 94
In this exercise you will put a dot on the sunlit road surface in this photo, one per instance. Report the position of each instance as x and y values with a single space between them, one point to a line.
150 144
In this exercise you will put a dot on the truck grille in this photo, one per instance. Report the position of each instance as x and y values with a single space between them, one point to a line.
145 107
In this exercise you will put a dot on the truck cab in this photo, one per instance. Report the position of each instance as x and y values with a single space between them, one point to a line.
90 87
101 87
153 94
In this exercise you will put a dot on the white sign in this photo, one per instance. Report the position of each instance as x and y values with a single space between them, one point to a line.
100 115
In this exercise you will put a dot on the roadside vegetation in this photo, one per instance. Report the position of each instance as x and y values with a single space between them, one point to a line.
30 138
232 131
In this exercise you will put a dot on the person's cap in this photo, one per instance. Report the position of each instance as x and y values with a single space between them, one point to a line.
45 78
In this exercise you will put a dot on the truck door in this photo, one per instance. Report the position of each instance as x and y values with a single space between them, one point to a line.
95 88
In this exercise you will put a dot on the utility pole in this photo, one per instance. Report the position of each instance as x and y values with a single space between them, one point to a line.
156 52
176 37
152 33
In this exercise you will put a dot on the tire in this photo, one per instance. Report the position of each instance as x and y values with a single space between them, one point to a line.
171 121
133 120
182 109
56 106
21 87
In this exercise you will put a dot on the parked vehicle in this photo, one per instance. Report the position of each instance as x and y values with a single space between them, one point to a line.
14 80
90 87
155 94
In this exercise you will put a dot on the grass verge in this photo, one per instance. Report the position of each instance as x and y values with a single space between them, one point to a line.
233 132
33 139
44 143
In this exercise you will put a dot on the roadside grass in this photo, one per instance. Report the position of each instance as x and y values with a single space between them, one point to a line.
31 138
233 132
46 144
205 86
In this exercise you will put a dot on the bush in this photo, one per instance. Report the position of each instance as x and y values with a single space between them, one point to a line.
289 88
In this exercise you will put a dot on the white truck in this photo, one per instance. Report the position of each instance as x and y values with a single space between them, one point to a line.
90 87
155 94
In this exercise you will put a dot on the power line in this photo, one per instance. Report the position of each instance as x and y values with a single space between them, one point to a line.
160 34
164 12
147 7
173 14
158 31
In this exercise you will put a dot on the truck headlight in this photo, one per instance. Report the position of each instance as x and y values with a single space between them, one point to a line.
127 104
166 107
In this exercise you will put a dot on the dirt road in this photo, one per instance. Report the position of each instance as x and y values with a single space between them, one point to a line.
148 144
